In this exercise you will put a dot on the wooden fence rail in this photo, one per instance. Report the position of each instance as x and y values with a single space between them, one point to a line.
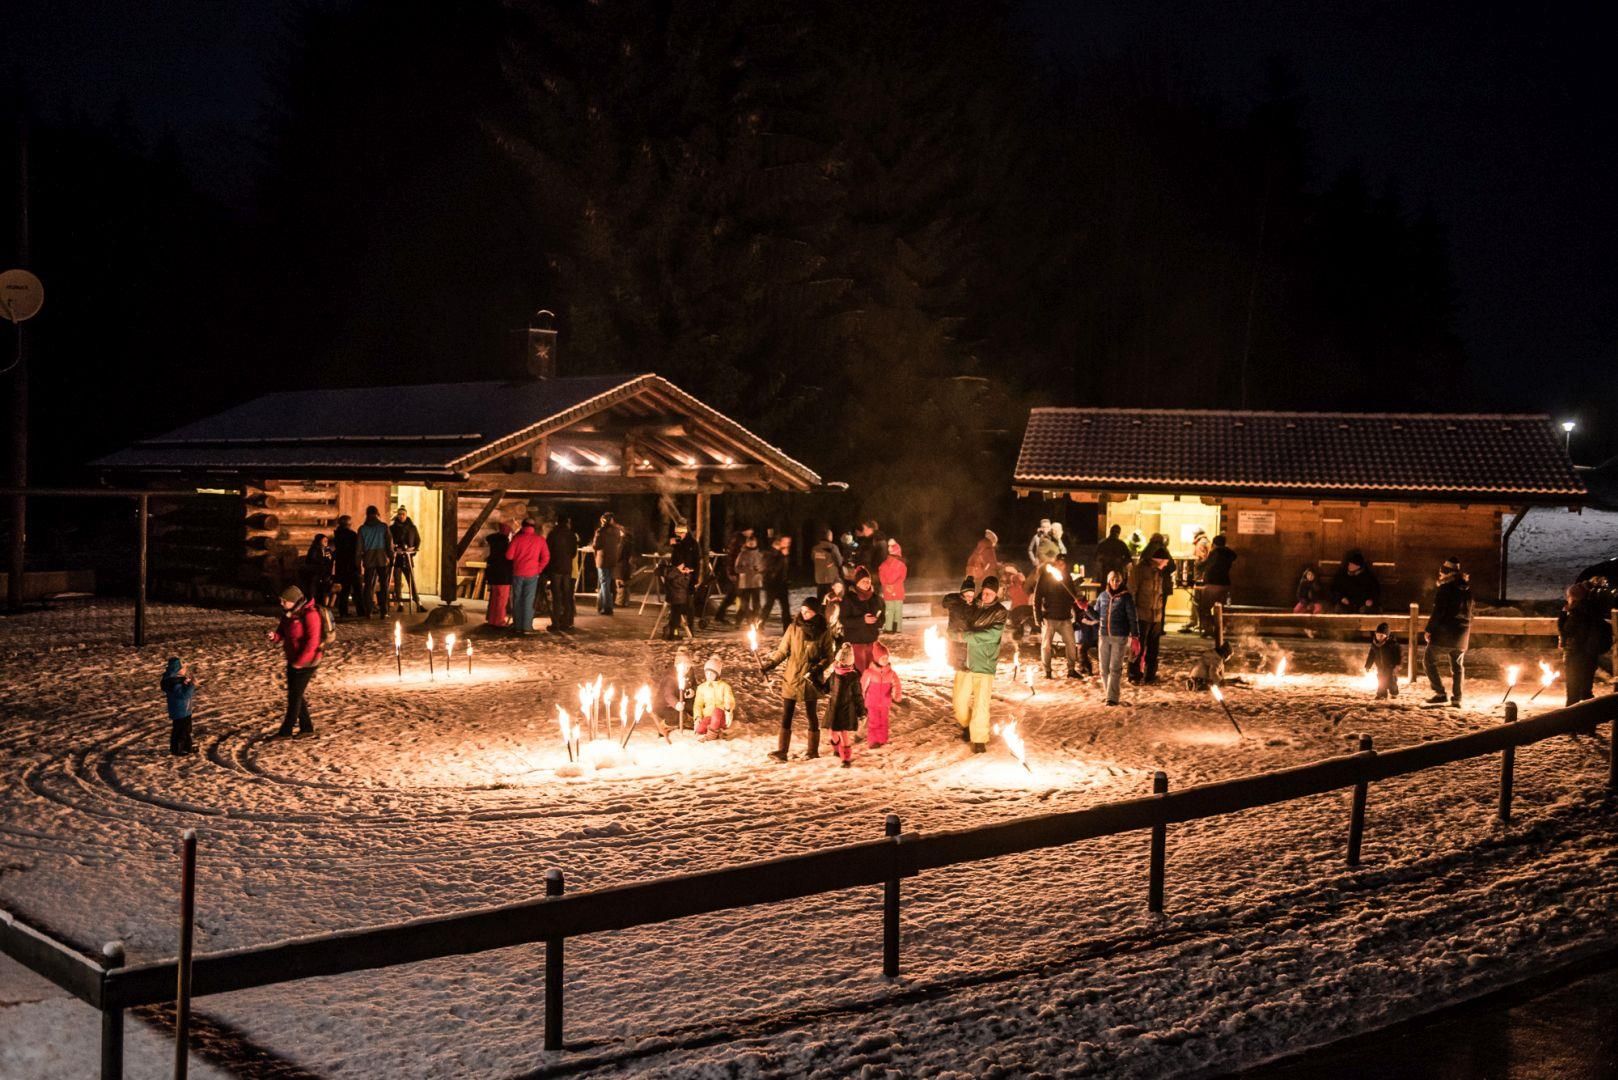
558 915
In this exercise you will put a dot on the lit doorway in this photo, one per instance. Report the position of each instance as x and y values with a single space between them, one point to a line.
1178 519
423 506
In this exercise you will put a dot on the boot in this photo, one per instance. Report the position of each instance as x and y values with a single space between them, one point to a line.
814 743
980 748
780 752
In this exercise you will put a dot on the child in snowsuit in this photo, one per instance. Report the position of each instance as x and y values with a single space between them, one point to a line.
845 703
1384 658
880 686
676 693
1209 670
714 703
1085 625
179 688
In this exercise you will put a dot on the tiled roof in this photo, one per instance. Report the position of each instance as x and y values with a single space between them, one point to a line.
1405 455
424 430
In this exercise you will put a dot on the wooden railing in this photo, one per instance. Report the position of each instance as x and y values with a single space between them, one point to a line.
113 987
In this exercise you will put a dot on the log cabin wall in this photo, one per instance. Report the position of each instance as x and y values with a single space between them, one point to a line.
1405 543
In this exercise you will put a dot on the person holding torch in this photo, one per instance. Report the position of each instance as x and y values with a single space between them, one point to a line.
983 626
1449 631
804 649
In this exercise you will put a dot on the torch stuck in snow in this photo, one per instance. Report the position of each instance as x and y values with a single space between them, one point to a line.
429 654
1219 696
449 654
1511 682
567 730
1014 743
679 678
1546 677
398 643
469 658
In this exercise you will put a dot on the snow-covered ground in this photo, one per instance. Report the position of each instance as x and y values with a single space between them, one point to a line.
423 798
1551 546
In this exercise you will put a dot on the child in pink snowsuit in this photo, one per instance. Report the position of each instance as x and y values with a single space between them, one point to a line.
880 684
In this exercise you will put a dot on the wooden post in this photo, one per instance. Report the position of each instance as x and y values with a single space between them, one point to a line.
143 527
188 919
1160 837
1612 758
449 544
890 905
1508 762
1356 817
1615 645
1219 624
1414 639
112 1020
553 972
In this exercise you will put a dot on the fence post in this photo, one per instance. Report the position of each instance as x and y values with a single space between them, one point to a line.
112 1020
182 966
1356 817
1160 836
553 972
890 905
1414 639
1612 754
144 528
1508 763
1219 624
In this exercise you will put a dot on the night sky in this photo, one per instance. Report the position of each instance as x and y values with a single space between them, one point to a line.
1501 121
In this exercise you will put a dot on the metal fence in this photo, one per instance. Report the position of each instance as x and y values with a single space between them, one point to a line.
108 984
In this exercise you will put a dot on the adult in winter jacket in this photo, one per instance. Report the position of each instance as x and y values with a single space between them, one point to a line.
1383 658
778 579
346 566
804 649
562 544
178 690
1146 580
828 561
861 618
1040 543
845 704
318 567
301 634
406 542
750 579
1215 582
1112 554
1449 631
1118 625
871 551
497 575
985 625
685 554
1354 588
727 564
528 555
891 584
376 556
1585 635
1018 591
983 562
1053 610
609 544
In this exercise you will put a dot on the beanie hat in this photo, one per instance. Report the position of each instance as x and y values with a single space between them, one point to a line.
1381 628
968 585
988 534
1452 566
845 654
172 668
879 653
715 665
292 593
861 574
991 582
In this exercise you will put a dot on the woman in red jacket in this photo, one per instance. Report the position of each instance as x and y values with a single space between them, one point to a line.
301 633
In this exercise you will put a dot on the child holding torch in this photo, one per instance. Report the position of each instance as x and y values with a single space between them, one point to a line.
1383 658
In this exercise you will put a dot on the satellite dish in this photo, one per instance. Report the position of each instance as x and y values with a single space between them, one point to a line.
21 295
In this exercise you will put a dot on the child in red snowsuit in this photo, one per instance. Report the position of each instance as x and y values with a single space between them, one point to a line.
880 684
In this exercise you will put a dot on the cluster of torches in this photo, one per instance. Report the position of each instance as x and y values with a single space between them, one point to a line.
595 716
1547 675
449 641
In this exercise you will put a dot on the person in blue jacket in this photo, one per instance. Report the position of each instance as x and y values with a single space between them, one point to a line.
179 688
1119 627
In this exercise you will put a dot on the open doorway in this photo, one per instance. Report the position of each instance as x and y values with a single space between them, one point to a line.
1178 519
423 506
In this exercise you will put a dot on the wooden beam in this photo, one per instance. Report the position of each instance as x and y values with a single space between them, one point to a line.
670 426
472 531
562 482
630 456
449 545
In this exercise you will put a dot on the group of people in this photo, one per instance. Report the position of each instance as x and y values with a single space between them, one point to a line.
370 567
1353 589
525 565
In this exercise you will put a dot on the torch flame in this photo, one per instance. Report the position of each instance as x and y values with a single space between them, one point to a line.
1546 675
1056 575
752 638
936 648
429 641
398 636
1281 668
611 690
1014 742
564 722
1219 695
449 644
1511 674
1368 680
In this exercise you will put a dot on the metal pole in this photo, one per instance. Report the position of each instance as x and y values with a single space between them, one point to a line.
1356 818
890 905
188 918
112 1020
143 527
18 475
553 972
1414 639
1508 763
1160 836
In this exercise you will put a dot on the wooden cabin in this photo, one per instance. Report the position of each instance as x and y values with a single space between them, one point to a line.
1291 490
461 457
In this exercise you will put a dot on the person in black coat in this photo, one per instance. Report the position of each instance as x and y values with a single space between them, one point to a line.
870 549
1355 589
345 550
497 575
318 567
563 544
1585 635
1383 658
1054 605
860 615
777 580
1112 554
1215 583
1449 631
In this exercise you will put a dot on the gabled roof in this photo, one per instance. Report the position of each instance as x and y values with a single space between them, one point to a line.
438 430
1455 457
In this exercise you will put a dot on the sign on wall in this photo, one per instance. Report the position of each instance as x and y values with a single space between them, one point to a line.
1255 522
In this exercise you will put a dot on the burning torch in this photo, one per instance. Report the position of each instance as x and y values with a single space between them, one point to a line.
1219 696
1546 677
398 643
429 654
449 653
1511 682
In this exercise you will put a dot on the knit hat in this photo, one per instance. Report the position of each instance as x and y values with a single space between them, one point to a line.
292 593
988 534
991 582
968 585
173 667
1381 628
845 655
715 665
1056 529
879 653
1451 566
861 574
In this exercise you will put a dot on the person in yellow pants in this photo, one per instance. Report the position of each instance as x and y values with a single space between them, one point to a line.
982 624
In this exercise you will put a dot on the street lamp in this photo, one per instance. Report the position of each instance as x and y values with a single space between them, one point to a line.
1567 428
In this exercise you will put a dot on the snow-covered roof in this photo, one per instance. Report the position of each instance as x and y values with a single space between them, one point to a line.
1448 457
433 430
